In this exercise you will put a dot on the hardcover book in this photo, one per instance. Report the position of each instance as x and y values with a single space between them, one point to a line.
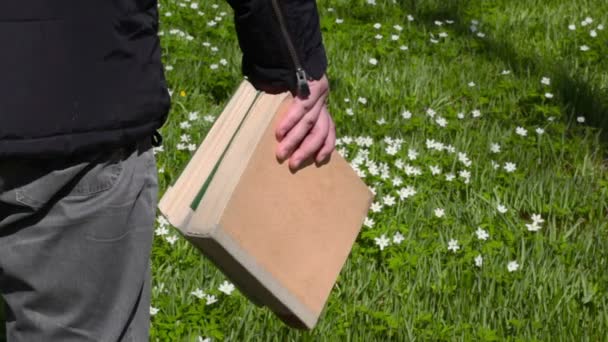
281 236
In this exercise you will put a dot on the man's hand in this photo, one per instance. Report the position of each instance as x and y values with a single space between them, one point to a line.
307 129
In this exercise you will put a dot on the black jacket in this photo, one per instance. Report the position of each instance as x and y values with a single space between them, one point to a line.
78 76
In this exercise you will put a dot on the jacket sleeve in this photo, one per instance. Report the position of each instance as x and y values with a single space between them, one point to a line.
267 60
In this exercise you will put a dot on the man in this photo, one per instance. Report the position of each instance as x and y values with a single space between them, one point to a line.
82 94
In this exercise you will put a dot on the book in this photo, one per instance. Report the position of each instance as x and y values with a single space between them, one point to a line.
281 236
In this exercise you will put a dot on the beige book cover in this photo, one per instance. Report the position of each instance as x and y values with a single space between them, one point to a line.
281 236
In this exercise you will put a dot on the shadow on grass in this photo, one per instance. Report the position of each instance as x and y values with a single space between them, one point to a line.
577 96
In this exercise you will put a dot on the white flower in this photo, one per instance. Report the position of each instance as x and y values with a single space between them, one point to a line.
376 207
441 121
593 33
476 113
536 218
521 131
501 208
153 310
495 165
185 138
434 41
403 47
169 67
471 84
545 80
443 34
460 115
368 222
411 170
600 27
533 227
482 234
406 115
495 148
226 287
439 212
580 119
478 260
398 238
549 95
462 157
339 21
453 245
588 20
162 220
406 192
213 66
481 34
450 177
510 167
377 26
394 37
210 299
378 36
397 181
161 231
381 121
372 2
540 131
192 116
398 27
410 17
512 266
362 100
412 154
184 125
389 200
382 241
391 150
571 27
430 112
435 170
200 339
438 23
466 175
171 239
584 48
223 61
198 293
506 72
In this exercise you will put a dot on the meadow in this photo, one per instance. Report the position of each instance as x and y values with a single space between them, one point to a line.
482 128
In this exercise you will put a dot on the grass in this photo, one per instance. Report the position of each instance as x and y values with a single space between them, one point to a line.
418 289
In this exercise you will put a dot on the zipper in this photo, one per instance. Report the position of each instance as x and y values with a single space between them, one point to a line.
302 79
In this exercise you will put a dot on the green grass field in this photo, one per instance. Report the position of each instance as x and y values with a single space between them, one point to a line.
482 128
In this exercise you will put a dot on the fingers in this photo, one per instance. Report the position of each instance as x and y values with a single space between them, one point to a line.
295 135
319 90
330 142
313 141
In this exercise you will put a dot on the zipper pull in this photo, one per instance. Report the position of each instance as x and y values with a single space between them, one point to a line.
303 89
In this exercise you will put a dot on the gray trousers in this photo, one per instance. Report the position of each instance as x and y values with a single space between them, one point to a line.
75 241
